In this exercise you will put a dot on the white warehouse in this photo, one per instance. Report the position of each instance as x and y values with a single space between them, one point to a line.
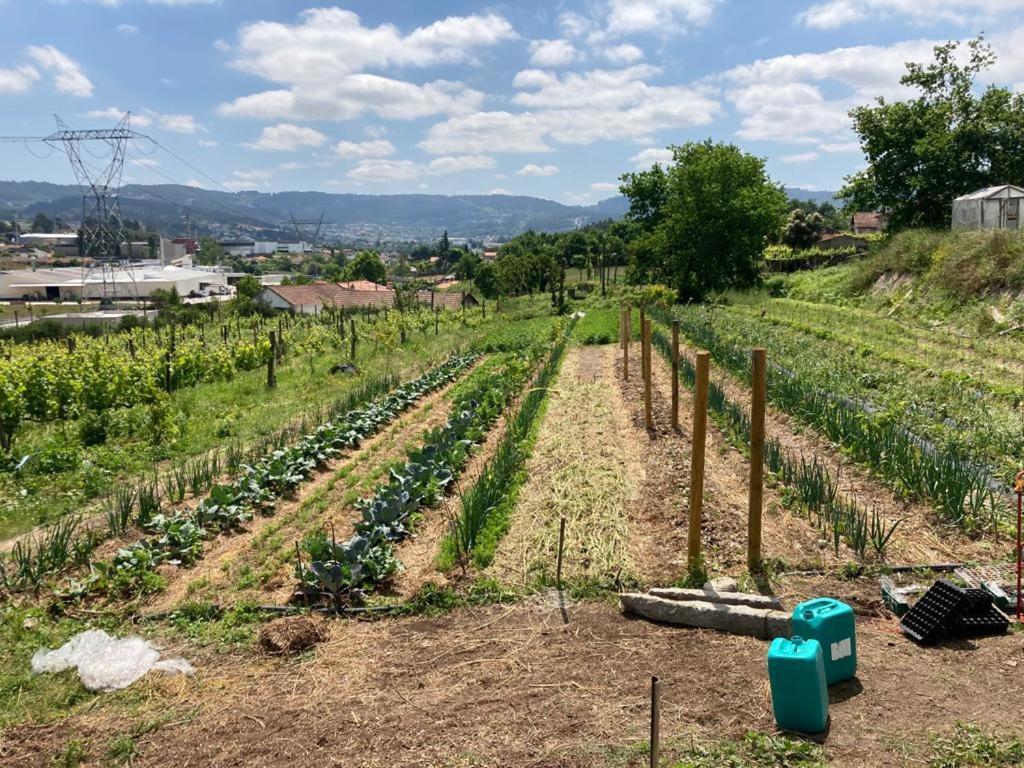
72 283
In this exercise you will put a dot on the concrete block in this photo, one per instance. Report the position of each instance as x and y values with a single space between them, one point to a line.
726 598
735 619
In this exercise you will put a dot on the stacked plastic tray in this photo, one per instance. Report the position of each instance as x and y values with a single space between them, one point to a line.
948 610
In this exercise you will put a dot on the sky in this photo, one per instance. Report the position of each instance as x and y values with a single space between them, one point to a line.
550 99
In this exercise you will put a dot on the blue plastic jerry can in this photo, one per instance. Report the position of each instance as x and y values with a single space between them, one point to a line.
832 624
796 671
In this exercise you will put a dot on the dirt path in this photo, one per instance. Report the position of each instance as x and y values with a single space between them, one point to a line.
785 535
513 686
257 563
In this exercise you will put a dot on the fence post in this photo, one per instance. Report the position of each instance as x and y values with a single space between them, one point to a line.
643 355
655 750
561 548
625 344
758 394
700 425
271 379
675 374
648 414
352 338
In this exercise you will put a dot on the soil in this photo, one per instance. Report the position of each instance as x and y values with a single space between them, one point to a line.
515 686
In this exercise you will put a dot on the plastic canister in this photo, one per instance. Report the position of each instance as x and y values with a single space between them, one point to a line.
830 622
796 671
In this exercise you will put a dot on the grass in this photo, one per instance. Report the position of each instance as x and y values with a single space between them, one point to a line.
753 750
970 746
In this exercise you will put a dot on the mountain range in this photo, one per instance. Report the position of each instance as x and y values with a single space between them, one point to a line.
352 217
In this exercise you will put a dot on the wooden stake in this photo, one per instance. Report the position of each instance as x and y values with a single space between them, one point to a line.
675 374
758 395
561 548
271 378
643 353
700 425
655 721
648 414
626 345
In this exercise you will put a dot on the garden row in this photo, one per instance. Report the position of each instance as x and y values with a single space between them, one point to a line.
956 484
177 537
345 572
812 484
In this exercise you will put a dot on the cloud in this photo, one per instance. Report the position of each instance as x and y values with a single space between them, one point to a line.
533 169
67 74
179 123
127 29
627 17
18 79
114 114
839 147
605 186
377 170
358 150
551 53
837 13
287 137
208 143
577 108
248 179
650 156
321 62
622 54
354 95
499 191
801 157
145 162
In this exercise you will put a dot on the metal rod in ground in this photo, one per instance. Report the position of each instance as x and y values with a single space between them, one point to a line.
561 548
655 721
625 344
758 394
643 353
1019 487
699 436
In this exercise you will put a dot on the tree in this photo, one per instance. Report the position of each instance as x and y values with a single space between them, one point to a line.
802 230
42 223
702 223
332 273
249 287
366 265
210 251
486 281
924 152
466 266
444 247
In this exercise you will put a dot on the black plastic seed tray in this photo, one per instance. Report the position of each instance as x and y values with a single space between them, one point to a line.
935 613
978 601
989 622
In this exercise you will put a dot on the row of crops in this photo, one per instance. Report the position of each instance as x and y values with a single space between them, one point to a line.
902 440
47 381
338 573
176 537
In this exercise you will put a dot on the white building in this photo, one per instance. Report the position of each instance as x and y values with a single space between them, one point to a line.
72 283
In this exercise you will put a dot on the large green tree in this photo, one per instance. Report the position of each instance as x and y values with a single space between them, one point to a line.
702 222
366 265
924 152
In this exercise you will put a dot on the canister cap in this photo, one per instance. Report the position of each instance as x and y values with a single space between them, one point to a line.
808 613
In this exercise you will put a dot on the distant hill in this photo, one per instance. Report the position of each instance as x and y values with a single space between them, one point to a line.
386 216
817 195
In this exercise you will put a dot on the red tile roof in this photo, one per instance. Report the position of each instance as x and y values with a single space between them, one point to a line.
333 295
874 219
363 285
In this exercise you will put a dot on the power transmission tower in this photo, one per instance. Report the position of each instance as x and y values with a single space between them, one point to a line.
304 226
102 230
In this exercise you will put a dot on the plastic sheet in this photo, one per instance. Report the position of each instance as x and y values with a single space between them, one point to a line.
106 663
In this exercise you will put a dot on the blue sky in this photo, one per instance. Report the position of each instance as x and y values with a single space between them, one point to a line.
551 99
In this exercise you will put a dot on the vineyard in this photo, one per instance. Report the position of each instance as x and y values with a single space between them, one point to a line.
400 538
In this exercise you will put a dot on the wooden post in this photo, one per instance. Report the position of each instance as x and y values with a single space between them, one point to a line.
700 425
643 354
625 344
271 379
758 395
675 374
655 749
352 338
648 414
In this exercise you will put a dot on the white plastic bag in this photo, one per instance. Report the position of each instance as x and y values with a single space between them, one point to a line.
106 663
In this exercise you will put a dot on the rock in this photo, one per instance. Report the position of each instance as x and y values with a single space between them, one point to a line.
725 598
736 619
722 584
292 634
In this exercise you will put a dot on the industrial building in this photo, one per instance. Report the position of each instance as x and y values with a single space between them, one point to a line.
73 283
